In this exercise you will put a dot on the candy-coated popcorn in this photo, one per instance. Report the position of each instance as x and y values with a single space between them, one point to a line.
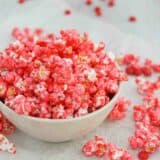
6 146
120 109
99 147
68 74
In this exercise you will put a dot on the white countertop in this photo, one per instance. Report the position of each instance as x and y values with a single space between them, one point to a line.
49 15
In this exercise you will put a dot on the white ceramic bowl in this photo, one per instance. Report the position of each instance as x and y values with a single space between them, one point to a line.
58 130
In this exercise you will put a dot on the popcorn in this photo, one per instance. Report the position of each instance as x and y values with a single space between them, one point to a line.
99 147
67 74
119 110
5 145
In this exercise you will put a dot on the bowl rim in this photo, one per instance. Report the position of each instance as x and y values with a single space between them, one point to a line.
63 120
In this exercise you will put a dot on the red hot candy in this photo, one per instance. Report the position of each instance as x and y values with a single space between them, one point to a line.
57 77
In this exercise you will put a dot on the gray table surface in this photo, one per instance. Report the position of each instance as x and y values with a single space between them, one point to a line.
49 15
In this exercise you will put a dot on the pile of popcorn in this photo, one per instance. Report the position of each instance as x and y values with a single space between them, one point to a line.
57 76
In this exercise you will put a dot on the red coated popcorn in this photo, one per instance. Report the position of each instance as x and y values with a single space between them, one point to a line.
89 148
130 59
6 127
57 77
6 146
100 148
147 133
145 87
120 109
134 66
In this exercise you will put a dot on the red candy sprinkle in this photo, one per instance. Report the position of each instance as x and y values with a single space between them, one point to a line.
67 12
132 19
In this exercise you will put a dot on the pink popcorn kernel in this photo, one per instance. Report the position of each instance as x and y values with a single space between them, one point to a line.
57 77
120 109
6 127
6 146
145 87
100 148
96 147
89 148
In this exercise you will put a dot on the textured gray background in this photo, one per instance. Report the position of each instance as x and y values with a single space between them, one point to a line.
49 15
